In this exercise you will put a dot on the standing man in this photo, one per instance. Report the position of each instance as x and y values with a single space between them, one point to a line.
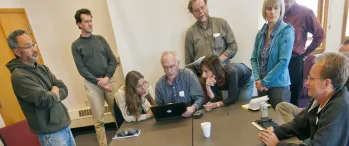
304 21
39 93
96 63
209 35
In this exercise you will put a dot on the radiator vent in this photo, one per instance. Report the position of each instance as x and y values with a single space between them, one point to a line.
87 112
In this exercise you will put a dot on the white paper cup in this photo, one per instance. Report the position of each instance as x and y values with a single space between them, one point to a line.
206 128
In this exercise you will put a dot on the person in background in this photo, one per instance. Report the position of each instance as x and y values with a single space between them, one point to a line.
96 63
134 98
209 35
237 78
178 85
325 122
39 93
271 54
304 21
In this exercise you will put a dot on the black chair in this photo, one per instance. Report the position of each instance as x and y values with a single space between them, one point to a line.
119 119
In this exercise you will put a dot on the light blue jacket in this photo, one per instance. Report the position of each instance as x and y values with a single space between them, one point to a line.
279 57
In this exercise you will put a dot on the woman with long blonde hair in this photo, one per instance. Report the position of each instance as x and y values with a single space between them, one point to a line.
134 98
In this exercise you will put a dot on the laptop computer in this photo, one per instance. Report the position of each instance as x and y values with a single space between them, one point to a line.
170 111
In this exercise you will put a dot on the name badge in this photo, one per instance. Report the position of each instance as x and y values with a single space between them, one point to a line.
181 94
216 34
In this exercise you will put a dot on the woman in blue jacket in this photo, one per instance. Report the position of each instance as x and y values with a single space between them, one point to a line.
271 54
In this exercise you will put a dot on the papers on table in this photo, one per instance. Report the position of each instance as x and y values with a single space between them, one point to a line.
254 103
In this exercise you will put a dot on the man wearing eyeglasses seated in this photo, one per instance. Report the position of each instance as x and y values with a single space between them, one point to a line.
325 121
209 35
178 85
288 111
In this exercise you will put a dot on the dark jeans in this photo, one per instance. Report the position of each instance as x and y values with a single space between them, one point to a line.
296 68
277 95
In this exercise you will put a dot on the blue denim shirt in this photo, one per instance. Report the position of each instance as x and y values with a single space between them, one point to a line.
280 52
265 51
186 83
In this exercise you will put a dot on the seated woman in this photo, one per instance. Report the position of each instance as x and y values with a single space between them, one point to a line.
272 53
134 98
237 78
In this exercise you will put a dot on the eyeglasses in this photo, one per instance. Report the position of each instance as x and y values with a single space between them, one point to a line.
29 46
311 78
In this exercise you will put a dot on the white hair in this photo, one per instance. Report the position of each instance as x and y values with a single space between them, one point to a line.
174 53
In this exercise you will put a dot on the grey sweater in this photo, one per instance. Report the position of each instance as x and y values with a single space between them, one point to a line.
93 58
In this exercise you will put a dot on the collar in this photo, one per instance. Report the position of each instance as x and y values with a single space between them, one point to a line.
291 9
176 80
276 27
86 37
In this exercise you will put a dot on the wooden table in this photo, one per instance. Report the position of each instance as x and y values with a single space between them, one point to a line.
176 132
231 126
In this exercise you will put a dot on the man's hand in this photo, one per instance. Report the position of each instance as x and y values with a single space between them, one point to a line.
55 90
223 58
107 88
189 112
103 81
268 137
210 81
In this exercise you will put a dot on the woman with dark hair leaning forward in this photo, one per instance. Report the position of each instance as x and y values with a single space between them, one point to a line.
237 78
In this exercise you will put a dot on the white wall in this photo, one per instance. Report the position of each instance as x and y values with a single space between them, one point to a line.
144 29
334 28
54 27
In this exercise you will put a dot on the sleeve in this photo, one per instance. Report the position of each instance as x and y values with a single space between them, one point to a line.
332 127
285 52
31 92
63 90
81 66
159 99
189 48
254 59
233 86
195 89
232 46
122 105
111 58
313 26
217 94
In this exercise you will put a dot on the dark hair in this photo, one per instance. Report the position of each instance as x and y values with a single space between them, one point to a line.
190 5
133 100
346 42
78 14
12 39
213 63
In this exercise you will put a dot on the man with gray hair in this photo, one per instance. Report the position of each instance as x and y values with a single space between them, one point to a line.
178 85
325 121
39 93
209 35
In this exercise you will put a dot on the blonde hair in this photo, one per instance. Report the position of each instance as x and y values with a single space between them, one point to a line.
268 3
335 66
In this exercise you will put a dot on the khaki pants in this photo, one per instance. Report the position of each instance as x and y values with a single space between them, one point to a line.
287 111
97 96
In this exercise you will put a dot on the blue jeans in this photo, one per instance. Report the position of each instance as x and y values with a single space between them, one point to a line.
246 92
63 137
